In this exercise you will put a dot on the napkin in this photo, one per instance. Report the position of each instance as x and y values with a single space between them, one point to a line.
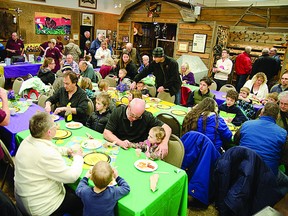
153 182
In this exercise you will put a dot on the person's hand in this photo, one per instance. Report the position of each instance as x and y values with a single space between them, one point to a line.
160 89
229 119
124 144
133 86
148 155
59 110
162 150
3 93
184 81
88 173
78 152
115 173
13 51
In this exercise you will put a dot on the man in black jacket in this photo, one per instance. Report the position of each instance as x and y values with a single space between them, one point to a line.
166 71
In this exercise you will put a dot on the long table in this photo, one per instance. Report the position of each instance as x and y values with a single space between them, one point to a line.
20 70
169 199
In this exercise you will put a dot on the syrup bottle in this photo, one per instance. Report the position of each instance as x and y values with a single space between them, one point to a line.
68 113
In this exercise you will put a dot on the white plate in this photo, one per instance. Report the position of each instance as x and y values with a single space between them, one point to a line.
91 144
55 117
147 106
156 100
74 125
142 165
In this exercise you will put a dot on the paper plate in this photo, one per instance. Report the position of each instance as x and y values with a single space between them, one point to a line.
74 125
91 144
92 158
156 100
146 165
179 112
62 134
55 117
147 106
163 106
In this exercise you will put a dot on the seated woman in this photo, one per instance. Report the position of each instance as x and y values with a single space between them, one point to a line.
258 87
126 63
186 75
204 119
198 95
45 72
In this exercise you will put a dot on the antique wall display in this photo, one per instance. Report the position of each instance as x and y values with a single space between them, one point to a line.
183 46
52 24
87 19
199 43
88 3
125 39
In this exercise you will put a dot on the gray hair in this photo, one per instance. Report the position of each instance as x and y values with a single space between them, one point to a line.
39 124
265 51
283 94
248 49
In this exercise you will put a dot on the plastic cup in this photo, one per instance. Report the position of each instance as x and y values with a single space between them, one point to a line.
138 152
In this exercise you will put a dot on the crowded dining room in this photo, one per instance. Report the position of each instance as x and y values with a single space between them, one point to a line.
143 107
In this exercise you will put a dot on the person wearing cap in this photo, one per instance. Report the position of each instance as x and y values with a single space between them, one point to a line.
53 52
58 83
165 69
87 71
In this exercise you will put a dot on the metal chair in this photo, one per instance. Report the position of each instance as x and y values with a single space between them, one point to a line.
8 159
111 81
90 108
166 96
42 100
171 121
213 86
176 151
227 87
152 90
17 85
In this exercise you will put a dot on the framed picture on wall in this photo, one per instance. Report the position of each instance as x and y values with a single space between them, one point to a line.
183 46
125 39
101 31
87 19
199 43
88 3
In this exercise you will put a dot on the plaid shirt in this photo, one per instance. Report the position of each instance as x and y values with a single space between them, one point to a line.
247 108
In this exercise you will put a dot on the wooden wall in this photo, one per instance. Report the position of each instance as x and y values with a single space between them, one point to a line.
27 26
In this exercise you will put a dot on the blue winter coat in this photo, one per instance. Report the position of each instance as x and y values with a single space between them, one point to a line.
199 160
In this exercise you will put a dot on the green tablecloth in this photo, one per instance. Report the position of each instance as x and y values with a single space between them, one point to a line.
169 199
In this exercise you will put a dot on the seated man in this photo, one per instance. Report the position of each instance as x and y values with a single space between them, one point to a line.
70 93
132 124
70 62
87 71
40 172
267 139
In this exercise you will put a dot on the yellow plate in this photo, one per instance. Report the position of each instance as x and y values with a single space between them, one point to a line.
92 158
179 112
62 134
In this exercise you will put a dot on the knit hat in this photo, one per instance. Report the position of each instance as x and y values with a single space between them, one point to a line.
158 52
66 67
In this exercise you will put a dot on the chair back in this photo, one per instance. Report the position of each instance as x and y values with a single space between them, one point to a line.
185 92
166 96
29 76
172 122
213 86
17 85
90 108
152 90
98 75
227 87
111 81
42 100
2 81
175 151
8 159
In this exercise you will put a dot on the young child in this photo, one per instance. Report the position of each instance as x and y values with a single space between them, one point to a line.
141 87
134 94
230 107
88 59
98 119
245 103
103 85
271 97
86 85
149 146
123 79
102 199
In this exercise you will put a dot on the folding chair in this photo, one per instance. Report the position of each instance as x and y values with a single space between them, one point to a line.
171 121
175 151
8 159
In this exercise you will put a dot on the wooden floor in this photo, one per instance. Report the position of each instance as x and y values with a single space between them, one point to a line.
9 190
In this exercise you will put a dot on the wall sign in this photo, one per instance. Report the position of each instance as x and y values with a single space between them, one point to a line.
199 43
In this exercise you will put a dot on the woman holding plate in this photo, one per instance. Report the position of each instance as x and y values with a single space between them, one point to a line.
204 119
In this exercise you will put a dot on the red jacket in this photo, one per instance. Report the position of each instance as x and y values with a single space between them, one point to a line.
243 64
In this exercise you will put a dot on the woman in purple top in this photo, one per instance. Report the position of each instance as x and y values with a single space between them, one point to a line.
186 75
53 52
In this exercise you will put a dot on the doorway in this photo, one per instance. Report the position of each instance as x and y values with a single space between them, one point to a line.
82 37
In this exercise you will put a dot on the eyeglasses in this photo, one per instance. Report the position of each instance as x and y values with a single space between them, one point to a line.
133 115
